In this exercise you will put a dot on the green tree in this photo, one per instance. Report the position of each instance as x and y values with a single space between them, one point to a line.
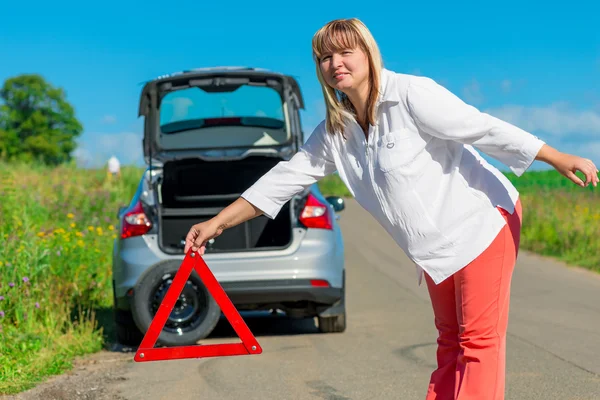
36 121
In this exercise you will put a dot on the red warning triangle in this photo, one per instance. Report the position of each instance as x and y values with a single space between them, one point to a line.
146 350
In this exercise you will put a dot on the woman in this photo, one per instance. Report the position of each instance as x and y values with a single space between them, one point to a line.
404 146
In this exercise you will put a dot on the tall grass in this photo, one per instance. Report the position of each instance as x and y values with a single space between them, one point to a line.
56 232
57 227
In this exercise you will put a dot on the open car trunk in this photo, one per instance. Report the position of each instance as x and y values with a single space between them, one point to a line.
193 190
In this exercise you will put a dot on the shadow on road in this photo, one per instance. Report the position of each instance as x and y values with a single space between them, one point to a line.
261 324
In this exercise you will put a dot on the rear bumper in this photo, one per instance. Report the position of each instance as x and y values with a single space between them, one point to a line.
280 291
269 293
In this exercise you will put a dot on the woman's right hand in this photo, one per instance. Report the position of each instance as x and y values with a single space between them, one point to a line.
234 214
200 234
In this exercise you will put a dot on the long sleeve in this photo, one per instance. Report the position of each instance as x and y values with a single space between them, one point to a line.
442 114
310 164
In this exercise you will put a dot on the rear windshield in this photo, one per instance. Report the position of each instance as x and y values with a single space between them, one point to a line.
249 116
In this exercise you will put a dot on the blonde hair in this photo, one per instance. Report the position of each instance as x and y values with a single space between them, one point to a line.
342 34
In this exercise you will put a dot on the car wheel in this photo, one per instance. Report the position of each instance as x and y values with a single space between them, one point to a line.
194 315
337 322
126 331
334 324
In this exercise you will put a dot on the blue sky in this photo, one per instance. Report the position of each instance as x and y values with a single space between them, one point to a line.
527 62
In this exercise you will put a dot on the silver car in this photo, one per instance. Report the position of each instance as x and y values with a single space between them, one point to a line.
208 135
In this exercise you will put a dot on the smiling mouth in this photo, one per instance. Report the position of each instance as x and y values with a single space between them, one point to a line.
340 75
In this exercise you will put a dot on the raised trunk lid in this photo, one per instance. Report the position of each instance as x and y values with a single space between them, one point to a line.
225 113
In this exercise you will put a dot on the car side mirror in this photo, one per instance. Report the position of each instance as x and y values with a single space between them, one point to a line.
336 202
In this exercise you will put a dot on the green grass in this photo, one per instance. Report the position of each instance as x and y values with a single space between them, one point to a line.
57 227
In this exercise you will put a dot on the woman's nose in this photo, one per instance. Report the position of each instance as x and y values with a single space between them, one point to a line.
336 60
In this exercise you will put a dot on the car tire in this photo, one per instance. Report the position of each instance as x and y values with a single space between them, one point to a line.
126 332
334 324
194 316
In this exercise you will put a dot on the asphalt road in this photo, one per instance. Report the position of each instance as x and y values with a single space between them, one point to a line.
388 350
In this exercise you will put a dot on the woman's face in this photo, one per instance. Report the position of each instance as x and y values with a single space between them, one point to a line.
346 70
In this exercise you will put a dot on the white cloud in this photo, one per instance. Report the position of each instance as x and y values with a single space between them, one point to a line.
109 119
557 119
94 149
472 93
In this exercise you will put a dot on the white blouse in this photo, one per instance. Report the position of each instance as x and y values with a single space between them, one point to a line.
418 174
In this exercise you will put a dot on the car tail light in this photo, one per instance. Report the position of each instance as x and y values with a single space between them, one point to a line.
316 214
319 283
135 222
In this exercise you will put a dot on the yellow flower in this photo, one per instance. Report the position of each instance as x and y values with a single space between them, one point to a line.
72 224
70 216
90 228
79 234
111 228
41 234
80 243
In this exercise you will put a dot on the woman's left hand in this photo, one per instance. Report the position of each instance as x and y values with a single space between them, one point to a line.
568 164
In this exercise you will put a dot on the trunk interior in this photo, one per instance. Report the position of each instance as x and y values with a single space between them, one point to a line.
193 191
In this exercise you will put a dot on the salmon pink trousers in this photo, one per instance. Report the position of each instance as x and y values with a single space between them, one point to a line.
471 316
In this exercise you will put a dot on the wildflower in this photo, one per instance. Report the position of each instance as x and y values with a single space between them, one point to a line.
58 253
41 234
70 216
25 279
72 224
1 298
111 228
10 284
1 314
37 305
